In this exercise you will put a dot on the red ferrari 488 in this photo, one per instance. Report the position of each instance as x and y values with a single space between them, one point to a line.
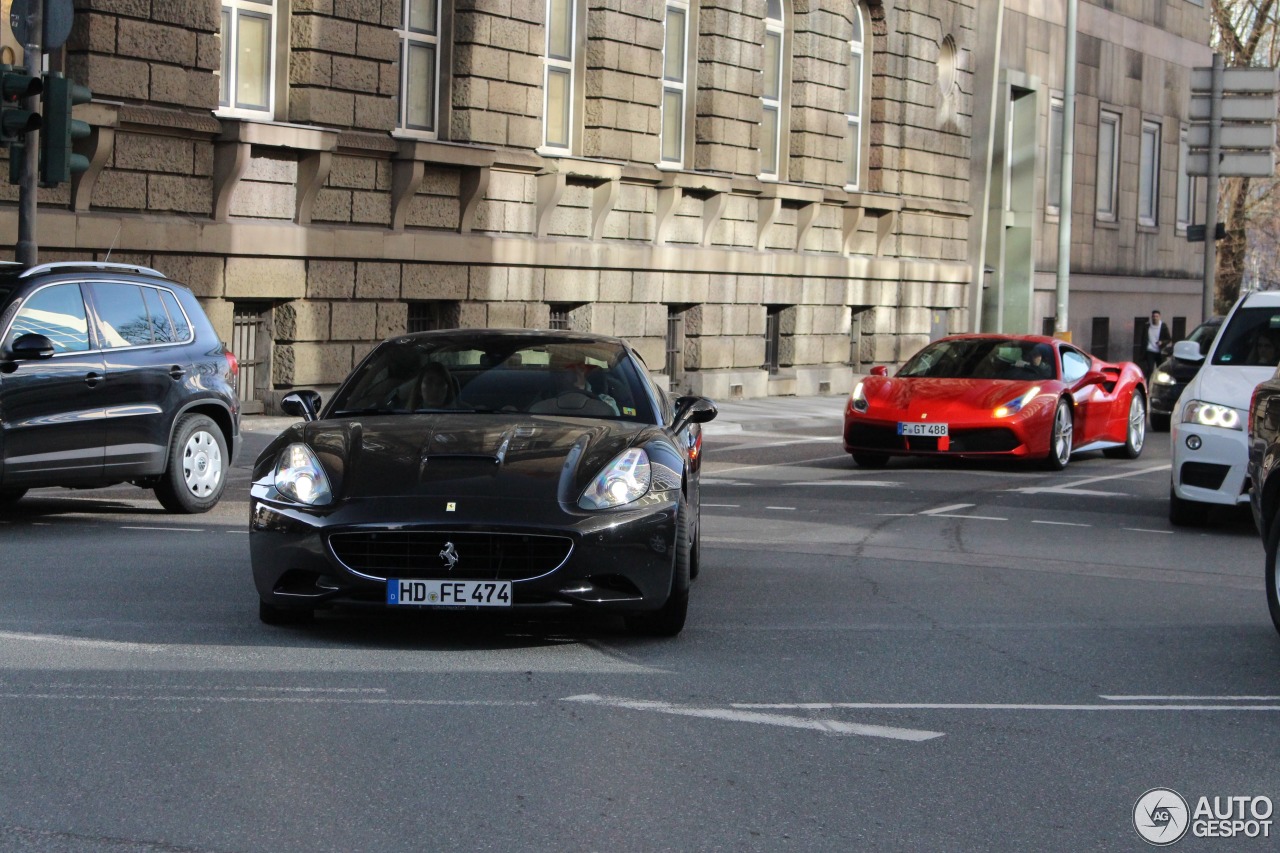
979 395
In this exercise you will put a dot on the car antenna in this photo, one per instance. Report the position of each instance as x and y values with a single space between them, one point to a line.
112 247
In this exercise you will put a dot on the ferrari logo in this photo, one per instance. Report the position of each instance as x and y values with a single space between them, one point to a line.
450 555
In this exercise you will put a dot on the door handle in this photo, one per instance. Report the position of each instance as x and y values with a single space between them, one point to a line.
92 379
176 372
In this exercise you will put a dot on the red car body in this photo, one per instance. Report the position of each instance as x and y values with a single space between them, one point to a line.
987 395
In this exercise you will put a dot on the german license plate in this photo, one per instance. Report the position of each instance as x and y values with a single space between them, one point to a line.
442 593
934 430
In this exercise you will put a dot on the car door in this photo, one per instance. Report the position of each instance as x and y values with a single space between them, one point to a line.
51 409
146 371
1090 400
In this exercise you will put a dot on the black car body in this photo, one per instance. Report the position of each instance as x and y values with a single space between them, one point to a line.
112 373
549 474
1264 480
1173 374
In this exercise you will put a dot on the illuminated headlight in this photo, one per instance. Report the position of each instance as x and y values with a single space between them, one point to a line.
300 477
858 399
1163 378
1014 406
622 481
1211 414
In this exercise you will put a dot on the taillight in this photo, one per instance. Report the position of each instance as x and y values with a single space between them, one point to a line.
233 366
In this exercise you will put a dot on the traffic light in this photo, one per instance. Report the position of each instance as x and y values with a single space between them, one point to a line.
16 121
57 161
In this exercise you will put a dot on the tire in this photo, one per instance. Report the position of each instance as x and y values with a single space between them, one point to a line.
1185 513
1060 438
1136 433
870 460
11 496
668 620
272 615
1273 577
197 471
1160 423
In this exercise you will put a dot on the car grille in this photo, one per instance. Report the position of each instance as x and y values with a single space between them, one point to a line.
419 553
873 437
982 440
1204 475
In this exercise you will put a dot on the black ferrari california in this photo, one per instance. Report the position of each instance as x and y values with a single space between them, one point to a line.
477 469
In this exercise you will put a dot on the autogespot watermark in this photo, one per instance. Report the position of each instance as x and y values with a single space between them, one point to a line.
1162 817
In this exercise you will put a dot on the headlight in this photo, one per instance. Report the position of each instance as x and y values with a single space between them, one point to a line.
1211 414
1162 378
300 477
622 481
1014 406
858 399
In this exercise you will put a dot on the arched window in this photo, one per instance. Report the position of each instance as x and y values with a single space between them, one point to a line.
419 33
859 62
560 75
772 98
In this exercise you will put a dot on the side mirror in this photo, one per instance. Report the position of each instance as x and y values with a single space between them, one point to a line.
693 410
1094 377
302 404
879 370
1187 351
32 347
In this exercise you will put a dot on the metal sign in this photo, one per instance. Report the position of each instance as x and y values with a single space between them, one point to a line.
56 23
1235 80
1241 108
1238 164
1261 137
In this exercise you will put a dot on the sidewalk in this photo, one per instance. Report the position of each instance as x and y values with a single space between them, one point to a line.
761 414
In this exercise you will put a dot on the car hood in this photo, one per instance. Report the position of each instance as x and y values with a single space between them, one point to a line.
921 397
1227 384
1181 370
459 455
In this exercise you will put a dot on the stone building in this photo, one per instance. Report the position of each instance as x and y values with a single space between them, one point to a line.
765 196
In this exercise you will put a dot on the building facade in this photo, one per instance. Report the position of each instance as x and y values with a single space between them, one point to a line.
765 196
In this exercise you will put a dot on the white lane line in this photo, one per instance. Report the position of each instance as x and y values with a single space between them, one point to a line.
175 529
992 706
1068 490
973 517
787 508
737 468
1060 523
270 700
1122 475
896 514
1145 530
835 727
881 484
722 506
1074 488
950 508
1191 698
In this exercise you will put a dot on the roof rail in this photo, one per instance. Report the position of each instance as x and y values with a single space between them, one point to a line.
57 266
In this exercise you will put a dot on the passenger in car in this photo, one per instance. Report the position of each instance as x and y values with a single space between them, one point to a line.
1264 351
435 387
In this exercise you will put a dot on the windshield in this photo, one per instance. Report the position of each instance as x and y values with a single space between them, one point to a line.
531 376
1251 338
1204 335
983 358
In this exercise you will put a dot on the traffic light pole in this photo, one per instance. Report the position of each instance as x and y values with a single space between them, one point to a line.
26 250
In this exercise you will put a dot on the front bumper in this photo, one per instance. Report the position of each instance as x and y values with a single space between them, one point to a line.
1215 472
620 561
1164 398
1011 437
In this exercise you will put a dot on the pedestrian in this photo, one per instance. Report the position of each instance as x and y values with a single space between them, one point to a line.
1158 342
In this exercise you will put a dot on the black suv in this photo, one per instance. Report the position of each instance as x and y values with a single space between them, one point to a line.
112 373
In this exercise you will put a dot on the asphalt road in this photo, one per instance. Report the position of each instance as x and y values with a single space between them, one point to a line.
929 656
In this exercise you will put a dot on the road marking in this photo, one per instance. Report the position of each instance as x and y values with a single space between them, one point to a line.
880 484
176 529
271 700
991 706
1145 530
950 508
1060 523
1074 488
1067 490
722 506
1192 698
778 464
946 512
787 508
835 727
896 514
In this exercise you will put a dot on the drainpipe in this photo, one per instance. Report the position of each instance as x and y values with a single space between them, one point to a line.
1061 326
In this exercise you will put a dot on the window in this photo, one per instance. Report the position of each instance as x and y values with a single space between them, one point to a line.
1053 168
251 343
1186 186
857 88
558 85
1100 338
419 65
773 337
771 125
122 315
1108 164
675 75
559 316
248 57
432 315
1149 174
675 346
1074 365
56 312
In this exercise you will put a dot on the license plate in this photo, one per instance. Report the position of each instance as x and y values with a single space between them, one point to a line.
440 593
922 429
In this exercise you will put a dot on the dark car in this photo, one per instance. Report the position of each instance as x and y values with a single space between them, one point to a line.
112 373
1264 480
542 472
1173 374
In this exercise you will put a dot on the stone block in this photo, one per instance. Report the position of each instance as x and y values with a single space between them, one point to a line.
537 315
526 284
473 315
302 321
647 286
154 153
371 208
504 315
320 363
202 273
369 11
685 288
158 42
198 15
330 279
487 283
433 212
375 112
263 201
572 285
266 278
322 106
332 206
327 34
221 314
169 85
375 280
434 281
121 190
615 285
180 194
393 319
353 321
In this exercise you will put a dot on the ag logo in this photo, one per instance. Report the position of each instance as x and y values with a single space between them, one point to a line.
1161 816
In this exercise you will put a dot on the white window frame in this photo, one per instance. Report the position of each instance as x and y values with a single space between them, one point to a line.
774 26
1186 213
1053 163
1149 174
232 11
670 85
410 38
1108 212
560 65
858 65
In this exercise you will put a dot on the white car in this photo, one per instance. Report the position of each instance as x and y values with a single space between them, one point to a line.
1210 420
